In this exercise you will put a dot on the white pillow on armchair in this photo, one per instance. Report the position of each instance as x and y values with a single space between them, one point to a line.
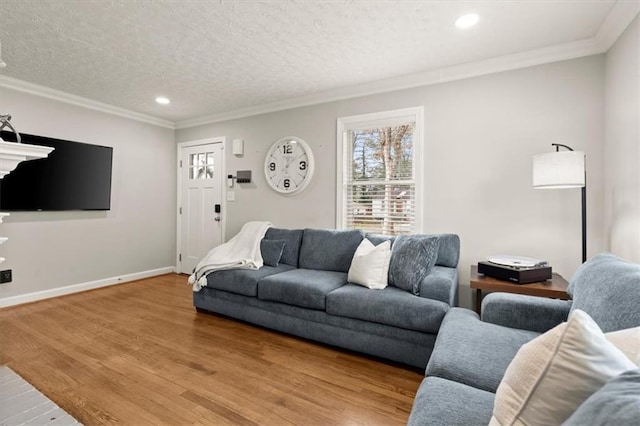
557 371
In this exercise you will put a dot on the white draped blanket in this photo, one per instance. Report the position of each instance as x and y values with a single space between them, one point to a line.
240 252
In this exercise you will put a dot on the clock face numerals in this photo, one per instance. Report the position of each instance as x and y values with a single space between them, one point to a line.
288 166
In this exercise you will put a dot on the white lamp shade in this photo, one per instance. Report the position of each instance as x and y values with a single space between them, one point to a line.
564 169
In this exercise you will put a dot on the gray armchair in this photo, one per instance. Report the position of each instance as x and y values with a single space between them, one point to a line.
471 354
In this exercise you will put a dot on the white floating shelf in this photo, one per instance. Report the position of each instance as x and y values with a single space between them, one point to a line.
12 154
3 215
3 239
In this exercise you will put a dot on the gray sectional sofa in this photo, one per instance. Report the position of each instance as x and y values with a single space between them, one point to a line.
471 354
308 295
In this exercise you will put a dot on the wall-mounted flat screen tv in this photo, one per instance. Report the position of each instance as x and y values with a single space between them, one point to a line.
75 176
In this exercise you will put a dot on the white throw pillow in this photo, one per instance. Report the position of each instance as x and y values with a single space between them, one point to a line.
554 373
628 341
370 265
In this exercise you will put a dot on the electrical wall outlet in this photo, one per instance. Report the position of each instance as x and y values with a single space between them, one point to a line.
5 276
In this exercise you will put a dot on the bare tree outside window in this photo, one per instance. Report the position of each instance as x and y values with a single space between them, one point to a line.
380 181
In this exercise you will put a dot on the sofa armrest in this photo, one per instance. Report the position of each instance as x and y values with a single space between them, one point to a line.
441 284
524 312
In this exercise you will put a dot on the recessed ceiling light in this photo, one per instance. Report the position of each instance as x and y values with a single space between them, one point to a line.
162 100
466 21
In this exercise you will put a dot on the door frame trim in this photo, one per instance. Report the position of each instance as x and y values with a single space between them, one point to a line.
223 202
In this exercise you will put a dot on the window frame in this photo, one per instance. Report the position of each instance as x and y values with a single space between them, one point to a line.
379 119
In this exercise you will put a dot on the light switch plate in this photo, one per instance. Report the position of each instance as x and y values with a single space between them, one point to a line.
231 195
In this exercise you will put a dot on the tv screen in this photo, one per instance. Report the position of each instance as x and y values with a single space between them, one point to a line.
75 176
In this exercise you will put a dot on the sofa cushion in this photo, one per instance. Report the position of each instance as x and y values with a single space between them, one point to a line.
617 403
293 238
441 284
328 249
441 402
306 288
448 250
551 376
242 281
472 352
271 251
412 258
377 239
390 306
608 289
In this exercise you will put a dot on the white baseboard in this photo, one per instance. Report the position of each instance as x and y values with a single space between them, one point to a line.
76 288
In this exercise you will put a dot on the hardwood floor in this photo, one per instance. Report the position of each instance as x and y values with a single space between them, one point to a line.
138 353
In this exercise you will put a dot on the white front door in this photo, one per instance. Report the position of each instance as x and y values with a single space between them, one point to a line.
200 207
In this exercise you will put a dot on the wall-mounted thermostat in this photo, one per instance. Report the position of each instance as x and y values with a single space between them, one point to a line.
238 147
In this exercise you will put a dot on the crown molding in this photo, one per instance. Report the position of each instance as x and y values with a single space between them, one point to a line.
436 76
619 18
58 95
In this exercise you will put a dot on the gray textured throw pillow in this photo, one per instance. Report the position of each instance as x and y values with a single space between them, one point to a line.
272 251
412 258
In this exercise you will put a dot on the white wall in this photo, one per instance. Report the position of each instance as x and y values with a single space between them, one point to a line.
480 136
49 250
622 145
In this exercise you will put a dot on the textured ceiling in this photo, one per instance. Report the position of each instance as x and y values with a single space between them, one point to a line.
217 56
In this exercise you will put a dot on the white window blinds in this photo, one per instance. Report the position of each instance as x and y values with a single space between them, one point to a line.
378 175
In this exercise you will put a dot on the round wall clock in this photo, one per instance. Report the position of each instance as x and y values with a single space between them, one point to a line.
289 165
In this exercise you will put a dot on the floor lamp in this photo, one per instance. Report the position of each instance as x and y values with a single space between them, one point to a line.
563 169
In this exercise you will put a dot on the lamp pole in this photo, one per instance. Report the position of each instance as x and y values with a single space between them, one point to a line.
584 204
584 219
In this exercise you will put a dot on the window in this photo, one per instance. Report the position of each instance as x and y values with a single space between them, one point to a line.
379 172
201 165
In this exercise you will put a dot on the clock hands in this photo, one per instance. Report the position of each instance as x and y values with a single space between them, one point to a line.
288 162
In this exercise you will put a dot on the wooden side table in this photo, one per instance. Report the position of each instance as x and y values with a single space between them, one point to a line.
555 288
